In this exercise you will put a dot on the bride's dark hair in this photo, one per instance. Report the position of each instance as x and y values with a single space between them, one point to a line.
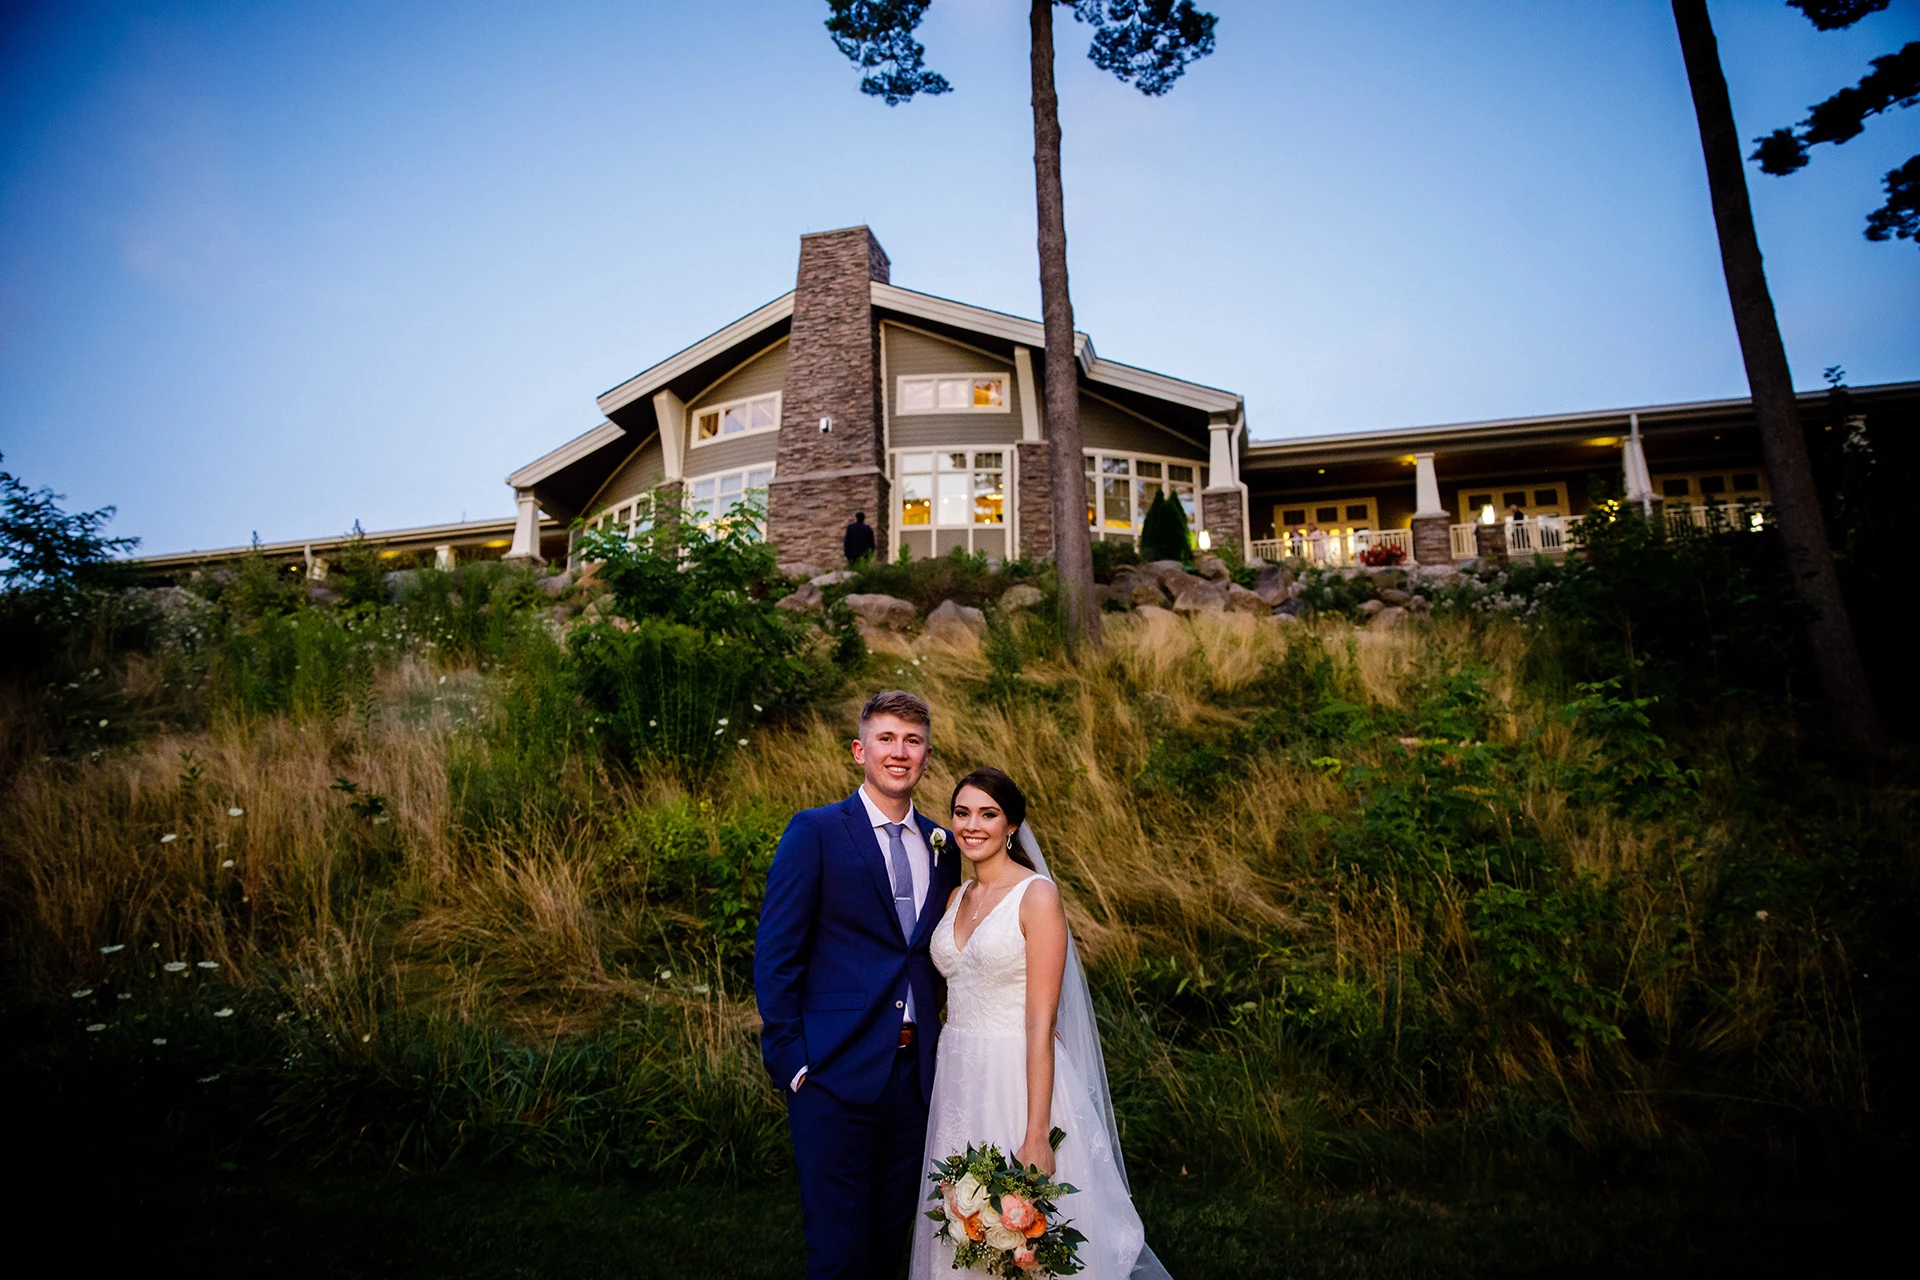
1012 803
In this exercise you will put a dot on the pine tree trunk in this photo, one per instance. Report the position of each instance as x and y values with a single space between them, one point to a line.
1796 503
1072 548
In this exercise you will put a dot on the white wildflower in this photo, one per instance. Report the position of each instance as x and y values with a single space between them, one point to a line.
103 724
743 742
159 1039
174 966
210 1079
235 812
124 995
367 1037
227 863
96 1026
224 1013
169 838
723 722
702 989
118 946
758 707
209 964
1760 915
83 993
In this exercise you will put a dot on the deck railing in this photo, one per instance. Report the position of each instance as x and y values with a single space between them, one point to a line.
1542 535
1336 550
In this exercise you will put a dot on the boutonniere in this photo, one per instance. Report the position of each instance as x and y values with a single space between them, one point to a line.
939 841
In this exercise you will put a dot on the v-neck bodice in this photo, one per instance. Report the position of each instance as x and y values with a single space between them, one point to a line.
987 980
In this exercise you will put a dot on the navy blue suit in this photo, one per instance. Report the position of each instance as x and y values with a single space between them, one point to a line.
831 973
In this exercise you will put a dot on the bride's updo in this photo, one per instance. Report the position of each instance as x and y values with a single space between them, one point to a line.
1008 796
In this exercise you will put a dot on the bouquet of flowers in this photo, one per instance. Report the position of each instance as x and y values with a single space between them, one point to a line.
1000 1217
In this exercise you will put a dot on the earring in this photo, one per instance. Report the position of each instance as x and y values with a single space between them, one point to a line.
1009 844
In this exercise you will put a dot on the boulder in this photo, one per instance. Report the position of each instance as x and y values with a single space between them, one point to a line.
1281 615
1241 600
1418 604
805 569
553 586
1273 584
833 579
1159 569
1020 596
1287 609
1203 597
805 598
889 613
317 594
1388 618
1368 608
1393 595
953 619
1212 568
1152 611
1145 593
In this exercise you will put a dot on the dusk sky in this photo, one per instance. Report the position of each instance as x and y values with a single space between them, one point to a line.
275 267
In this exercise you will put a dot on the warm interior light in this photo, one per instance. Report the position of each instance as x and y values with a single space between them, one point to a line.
1486 514
1206 540
500 542
1603 442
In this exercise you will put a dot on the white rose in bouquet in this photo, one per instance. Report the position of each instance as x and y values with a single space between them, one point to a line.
1001 1236
969 1197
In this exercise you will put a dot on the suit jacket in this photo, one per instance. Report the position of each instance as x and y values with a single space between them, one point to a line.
831 970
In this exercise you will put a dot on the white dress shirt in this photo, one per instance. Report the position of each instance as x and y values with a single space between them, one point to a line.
919 865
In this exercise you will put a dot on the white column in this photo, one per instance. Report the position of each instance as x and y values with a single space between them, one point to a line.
443 556
1426 487
671 413
1223 464
1633 462
526 528
1029 402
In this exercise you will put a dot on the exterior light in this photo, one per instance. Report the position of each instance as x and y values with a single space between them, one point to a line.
1206 540
1486 514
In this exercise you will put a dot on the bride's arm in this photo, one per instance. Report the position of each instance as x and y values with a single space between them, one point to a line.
1045 925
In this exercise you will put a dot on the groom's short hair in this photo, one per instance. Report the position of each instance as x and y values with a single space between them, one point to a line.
899 704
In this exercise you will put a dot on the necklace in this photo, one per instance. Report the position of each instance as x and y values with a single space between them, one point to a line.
979 906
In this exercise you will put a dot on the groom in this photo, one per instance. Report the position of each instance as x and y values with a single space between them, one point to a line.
850 1000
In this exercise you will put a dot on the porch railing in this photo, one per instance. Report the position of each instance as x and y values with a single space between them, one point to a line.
1337 550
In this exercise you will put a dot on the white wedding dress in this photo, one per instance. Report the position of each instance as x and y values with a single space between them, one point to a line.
980 1091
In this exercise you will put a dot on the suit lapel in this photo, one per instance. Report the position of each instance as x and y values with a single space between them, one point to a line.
936 904
867 846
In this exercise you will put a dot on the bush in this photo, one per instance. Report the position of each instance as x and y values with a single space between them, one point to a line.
1164 534
971 580
1109 555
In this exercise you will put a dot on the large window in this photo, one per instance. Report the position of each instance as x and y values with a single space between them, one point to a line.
710 498
954 393
952 489
1120 488
737 418
1532 500
1326 515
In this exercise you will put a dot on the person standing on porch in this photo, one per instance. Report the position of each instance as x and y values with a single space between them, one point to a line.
859 539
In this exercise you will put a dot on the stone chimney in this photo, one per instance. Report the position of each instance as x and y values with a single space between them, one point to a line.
831 461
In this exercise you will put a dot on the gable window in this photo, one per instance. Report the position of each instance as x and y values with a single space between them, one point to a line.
954 393
1120 488
710 498
736 418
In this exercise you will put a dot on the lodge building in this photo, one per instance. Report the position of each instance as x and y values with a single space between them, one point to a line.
850 393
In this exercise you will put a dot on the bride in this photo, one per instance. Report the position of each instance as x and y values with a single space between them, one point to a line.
1020 1053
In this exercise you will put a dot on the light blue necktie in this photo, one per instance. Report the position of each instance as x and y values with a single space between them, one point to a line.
902 879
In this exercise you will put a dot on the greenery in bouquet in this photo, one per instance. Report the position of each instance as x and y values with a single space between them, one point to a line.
1002 1217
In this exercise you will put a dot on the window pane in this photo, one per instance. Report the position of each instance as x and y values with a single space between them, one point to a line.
987 393
1090 500
1479 500
1326 515
1115 466
1177 472
954 393
915 462
1747 482
1184 492
989 499
916 393
731 485
1116 503
735 421
987 461
758 480
1674 488
1546 497
1297 515
1149 469
1514 498
709 425
763 413
954 499
1713 484
953 461
703 488
1086 463
916 499
1356 511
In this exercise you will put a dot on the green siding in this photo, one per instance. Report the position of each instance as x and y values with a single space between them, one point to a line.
1104 427
913 354
641 471
766 372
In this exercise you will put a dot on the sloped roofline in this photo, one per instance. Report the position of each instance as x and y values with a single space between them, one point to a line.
647 381
1494 427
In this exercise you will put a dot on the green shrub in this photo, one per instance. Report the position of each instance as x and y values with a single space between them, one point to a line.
1163 533
1109 554
971 580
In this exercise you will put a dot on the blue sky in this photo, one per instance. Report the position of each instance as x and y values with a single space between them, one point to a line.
281 266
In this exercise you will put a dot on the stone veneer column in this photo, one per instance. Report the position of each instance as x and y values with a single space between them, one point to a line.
1223 514
833 371
1033 490
1432 540
669 502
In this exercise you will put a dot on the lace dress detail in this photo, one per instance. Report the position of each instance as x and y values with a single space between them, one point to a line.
980 1093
